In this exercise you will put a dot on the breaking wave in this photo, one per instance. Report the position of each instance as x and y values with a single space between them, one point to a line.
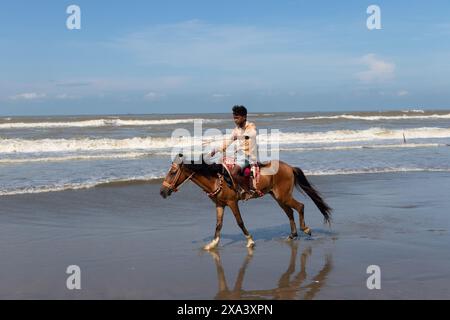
376 118
98 123
9 146
157 177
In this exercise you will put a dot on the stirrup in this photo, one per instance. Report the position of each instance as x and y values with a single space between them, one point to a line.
246 195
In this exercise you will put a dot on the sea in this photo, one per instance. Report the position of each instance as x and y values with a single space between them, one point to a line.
55 153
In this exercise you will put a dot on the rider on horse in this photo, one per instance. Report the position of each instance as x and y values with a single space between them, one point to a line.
245 148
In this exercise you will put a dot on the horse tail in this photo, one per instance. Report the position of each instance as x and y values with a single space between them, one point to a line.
302 183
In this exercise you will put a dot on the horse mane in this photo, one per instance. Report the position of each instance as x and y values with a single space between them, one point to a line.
204 169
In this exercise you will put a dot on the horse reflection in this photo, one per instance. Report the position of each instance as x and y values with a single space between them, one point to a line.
287 288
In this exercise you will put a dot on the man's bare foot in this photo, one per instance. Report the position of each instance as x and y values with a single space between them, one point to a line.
246 195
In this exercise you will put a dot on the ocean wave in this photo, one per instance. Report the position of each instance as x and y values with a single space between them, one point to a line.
370 134
374 118
373 146
137 155
81 185
15 146
371 171
99 123
414 111
9 146
157 177
112 156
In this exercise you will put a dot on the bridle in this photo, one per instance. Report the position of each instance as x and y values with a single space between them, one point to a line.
171 186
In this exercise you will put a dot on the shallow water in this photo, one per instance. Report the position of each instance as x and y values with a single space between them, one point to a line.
130 243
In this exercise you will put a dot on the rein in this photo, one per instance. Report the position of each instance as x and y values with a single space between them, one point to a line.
171 186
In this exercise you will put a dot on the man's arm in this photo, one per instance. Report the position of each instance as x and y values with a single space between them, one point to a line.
226 143
251 131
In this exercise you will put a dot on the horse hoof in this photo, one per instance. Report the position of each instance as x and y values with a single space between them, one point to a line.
292 237
307 231
250 242
212 245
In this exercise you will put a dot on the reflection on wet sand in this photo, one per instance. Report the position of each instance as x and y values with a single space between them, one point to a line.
287 288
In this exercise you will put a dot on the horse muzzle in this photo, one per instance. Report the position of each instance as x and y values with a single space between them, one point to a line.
165 192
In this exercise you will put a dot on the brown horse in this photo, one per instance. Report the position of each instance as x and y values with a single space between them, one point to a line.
277 178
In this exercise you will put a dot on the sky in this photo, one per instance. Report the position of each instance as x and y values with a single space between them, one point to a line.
197 56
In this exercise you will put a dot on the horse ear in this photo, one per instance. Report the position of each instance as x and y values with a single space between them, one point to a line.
178 159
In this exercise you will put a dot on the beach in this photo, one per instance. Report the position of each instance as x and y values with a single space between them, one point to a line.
103 103
131 244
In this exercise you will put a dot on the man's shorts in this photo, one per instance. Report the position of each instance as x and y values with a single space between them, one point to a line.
241 159
242 163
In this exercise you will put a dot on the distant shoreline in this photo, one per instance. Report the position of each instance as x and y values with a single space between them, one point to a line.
221 113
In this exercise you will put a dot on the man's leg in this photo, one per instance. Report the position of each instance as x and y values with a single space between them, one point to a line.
245 191
235 173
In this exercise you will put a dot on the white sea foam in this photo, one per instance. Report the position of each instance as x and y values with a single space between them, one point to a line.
373 146
371 171
371 134
149 178
86 144
375 118
137 155
9 146
77 186
99 123
414 111
111 156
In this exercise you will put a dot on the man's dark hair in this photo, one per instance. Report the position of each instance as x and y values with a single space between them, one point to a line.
240 111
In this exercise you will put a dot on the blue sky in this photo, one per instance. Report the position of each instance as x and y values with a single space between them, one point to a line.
205 56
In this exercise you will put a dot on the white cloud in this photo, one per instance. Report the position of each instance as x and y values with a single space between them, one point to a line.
197 44
65 96
153 96
378 70
232 57
28 96
402 93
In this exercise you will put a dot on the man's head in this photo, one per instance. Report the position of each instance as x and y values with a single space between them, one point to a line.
239 115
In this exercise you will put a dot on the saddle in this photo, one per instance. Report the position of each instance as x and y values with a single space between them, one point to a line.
250 177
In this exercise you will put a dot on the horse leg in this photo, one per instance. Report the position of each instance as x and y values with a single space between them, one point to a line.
237 214
290 214
300 207
214 243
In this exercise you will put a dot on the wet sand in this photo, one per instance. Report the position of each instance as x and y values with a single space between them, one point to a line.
132 244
